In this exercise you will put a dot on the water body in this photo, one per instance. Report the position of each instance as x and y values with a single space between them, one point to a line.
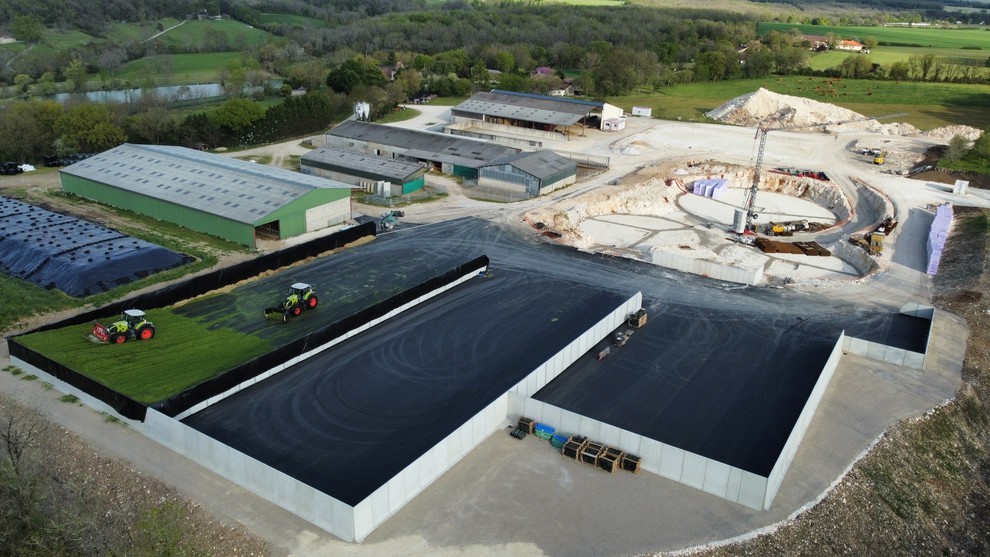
170 93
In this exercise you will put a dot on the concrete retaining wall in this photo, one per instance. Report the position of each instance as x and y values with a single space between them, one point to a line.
891 354
355 523
707 268
306 355
578 347
855 256
659 458
801 425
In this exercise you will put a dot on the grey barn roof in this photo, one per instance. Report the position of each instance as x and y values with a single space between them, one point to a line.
528 108
224 186
470 153
385 167
541 164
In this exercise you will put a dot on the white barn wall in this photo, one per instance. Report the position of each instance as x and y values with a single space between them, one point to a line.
330 214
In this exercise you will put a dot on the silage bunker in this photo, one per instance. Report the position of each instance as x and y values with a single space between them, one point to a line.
75 256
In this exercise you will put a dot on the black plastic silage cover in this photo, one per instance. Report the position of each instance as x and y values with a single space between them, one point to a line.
229 379
77 257
168 296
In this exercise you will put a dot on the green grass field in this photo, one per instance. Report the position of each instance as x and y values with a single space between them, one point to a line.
919 37
146 371
122 32
957 103
199 33
186 68
885 56
292 20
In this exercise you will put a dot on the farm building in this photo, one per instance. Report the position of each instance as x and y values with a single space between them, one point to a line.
533 174
233 199
540 113
456 156
365 171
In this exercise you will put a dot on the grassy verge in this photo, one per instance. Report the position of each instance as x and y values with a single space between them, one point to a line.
971 162
183 353
399 116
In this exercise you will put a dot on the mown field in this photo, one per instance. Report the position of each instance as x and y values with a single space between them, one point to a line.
895 36
887 55
185 68
929 105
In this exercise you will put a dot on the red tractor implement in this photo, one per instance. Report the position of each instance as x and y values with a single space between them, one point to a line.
132 326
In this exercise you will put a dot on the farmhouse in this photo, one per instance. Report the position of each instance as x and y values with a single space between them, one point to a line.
456 156
365 171
233 199
555 115
853 46
530 174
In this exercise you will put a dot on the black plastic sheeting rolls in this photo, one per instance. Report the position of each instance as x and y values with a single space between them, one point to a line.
77 257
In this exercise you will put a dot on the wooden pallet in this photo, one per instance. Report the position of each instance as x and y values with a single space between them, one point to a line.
630 463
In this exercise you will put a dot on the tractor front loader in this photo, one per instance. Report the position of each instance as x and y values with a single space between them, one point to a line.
132 326
300 297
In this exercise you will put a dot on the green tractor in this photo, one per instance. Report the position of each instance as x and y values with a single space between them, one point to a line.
301 296
132 326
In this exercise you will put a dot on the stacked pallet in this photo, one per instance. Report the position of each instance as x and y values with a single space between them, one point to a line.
574 446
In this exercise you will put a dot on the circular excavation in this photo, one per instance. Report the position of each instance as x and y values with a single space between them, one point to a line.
686 217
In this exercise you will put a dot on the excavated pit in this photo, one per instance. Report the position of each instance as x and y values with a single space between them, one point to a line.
651 215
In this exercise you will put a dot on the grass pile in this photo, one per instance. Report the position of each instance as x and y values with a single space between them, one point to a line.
184 353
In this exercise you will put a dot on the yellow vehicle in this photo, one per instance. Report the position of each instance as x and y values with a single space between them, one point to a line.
880 157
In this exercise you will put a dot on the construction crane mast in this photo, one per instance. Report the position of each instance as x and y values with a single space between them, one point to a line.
762 131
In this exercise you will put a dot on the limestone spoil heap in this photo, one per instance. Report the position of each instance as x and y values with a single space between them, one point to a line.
783 111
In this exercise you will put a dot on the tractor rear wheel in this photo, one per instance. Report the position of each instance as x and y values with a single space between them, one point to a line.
296 310
312 301
118 339
146 333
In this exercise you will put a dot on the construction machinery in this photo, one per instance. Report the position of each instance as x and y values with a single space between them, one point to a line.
880 157
300 297
132 326
873 240
761 137
389 220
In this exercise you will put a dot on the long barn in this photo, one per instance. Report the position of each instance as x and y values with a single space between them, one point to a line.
226 197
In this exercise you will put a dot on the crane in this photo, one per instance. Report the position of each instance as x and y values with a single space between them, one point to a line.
763 130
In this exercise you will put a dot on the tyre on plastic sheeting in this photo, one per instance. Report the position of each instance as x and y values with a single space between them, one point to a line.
312 301
118 339
146 333
296 310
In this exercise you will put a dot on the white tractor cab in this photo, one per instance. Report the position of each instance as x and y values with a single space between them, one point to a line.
300 296
132 326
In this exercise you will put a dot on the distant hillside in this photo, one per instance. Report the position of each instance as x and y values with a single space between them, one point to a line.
95 16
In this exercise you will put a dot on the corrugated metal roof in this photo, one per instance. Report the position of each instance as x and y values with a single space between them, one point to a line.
430 146
528 108
541 164
349 160
224 186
